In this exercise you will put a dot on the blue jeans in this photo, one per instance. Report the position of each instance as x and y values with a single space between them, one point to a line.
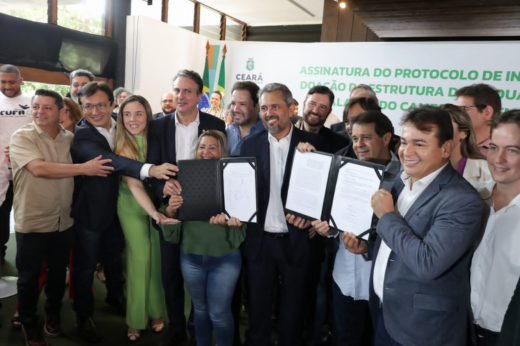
211 282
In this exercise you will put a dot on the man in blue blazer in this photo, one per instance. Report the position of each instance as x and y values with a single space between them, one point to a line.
427 226
278 245
171 138
94 208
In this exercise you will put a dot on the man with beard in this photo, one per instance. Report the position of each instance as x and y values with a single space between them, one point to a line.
316 108
15 112
277 246
167 106
244 111
78 79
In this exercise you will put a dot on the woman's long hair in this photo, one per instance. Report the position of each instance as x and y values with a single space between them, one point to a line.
221 139
75 113
126 145
468 146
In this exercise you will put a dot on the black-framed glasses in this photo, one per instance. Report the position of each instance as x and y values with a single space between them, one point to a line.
99 106
465 108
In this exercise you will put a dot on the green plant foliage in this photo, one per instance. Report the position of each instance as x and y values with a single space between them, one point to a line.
30 87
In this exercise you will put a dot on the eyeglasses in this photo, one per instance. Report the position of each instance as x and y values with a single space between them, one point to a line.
465 108
99 106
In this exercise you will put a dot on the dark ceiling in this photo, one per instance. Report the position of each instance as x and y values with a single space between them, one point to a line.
439 18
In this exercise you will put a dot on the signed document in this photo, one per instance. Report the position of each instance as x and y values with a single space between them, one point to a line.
308 185
239 181
351 207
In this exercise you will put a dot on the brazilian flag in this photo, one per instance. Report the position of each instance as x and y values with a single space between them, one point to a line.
204 101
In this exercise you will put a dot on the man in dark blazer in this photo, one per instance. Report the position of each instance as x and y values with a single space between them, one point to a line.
354 107
316 108
419 283
167 106
278 245
172 138
94 208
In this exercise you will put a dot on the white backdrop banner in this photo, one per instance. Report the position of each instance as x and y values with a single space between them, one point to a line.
402 74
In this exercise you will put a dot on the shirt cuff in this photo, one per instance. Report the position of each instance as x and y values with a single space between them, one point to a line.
145 171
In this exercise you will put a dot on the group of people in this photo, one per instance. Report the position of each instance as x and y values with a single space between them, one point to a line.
439 267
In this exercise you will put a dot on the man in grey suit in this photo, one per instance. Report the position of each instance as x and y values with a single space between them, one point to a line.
427 226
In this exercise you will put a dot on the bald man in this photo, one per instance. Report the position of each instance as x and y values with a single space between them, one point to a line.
167 106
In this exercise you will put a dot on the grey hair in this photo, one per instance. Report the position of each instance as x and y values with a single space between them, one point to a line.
271 87
10 69
82 73
368 90
121 90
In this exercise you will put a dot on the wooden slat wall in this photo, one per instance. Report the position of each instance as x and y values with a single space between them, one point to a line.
343 25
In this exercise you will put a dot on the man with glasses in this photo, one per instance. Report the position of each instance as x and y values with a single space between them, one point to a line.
482 103
354 107
78 79
167 106
97 229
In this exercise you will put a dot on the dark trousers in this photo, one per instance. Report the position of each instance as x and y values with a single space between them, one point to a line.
352 320
321 293
5 216
382 336
89 244
173 284
262 275
486 337
32 249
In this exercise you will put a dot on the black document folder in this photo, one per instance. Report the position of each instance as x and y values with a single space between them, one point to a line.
210 187
329 175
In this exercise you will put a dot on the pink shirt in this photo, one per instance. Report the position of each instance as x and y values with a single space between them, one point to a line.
484 147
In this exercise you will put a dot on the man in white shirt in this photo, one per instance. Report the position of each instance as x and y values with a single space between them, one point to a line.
495 268
15 112
173 137
427 226
278 245
96 225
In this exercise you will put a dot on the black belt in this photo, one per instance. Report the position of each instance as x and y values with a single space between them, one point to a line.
277 235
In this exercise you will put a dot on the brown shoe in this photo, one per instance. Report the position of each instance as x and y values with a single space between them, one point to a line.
33 336
52 325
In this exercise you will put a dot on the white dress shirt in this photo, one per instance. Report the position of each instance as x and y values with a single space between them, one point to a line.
406 199
278 151
186 138
495 268
110 135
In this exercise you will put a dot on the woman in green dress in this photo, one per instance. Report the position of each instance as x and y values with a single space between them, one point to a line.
210 257
144 286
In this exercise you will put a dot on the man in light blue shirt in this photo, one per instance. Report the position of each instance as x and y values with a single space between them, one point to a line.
244 111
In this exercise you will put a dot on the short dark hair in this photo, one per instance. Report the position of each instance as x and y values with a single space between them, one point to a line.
511 116
7 68
382 125
483 95
92 87
367 89
194 76
425 118
218 93
272 87
82 73
58 100
249 86
321 89
366 103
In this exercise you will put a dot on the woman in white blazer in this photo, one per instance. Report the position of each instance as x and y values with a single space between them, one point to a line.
466 157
